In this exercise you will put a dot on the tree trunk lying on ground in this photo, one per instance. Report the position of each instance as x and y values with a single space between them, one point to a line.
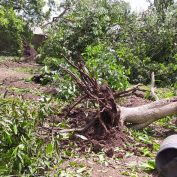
110 114
142 116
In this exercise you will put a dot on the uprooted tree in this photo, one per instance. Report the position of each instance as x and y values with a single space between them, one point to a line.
109 115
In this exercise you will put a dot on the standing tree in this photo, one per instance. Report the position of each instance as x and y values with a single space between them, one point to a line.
161 6
30 11
17 18
11 28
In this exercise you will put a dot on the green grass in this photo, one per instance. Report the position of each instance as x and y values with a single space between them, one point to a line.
165 92
22 90
23 152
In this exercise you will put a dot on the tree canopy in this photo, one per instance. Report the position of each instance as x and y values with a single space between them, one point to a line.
29 10
139 43
142 42
17 18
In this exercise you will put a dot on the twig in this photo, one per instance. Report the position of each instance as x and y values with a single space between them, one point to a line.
77 102
59 130
5 94
129 91
83 129
72 64
79 82
101 121
55 18
82 73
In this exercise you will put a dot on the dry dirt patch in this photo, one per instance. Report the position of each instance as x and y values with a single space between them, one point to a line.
8 73
14 81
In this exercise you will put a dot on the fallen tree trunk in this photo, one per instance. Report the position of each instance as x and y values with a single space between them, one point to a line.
141 116
109 115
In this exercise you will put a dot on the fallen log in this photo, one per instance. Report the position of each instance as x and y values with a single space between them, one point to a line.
142 116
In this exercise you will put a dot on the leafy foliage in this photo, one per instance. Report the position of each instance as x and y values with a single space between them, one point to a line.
85 27
11 27
85 23
66 88
28 10
105 66
22 151
16 20
18 146
161 6
143 42
151 46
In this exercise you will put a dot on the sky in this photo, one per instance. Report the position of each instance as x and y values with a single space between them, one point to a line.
138 5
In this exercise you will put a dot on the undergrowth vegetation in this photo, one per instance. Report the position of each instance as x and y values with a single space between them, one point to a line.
20 148
26 151
23 149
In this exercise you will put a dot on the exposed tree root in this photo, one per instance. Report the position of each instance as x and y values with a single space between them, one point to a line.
109 114
75 104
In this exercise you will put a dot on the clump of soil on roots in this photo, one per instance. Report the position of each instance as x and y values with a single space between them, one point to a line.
100 140
80 117
103 127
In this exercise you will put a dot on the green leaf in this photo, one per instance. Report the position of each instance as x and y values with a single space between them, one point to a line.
15 129
150 165
50 149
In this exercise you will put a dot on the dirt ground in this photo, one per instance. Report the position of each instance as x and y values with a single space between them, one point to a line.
117 162
14 82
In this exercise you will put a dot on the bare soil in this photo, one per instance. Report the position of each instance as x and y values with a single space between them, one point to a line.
80 116
15 80
120 163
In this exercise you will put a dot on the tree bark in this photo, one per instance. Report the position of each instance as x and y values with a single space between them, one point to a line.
141 116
